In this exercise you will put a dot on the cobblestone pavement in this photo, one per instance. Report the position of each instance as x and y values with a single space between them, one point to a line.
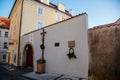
49 76
11 73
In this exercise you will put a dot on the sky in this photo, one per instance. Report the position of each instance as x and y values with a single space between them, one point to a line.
99 11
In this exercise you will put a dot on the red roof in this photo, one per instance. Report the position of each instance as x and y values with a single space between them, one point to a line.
4 23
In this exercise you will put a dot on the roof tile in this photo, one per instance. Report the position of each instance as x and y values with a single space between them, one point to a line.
4 23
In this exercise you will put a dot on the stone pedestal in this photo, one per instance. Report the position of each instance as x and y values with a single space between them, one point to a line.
41 64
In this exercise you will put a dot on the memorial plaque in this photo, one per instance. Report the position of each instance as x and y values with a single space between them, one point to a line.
71 43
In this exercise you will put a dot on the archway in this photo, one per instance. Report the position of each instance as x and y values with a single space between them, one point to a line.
28 56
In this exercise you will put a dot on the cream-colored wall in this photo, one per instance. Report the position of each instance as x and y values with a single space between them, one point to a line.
30 15
14 37
56 58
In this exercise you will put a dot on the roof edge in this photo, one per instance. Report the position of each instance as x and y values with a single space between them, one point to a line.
4 27
56 23
105 25
54 8
12 8
117 20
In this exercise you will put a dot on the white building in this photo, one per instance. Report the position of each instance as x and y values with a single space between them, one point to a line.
3 40
58 38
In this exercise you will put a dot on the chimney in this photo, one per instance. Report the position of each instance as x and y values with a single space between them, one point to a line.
61 7
45 1
71 11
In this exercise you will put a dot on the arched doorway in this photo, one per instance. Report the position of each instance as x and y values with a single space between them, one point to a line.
28 56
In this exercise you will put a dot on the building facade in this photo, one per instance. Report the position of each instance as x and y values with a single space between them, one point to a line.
60 39
4 29
29 15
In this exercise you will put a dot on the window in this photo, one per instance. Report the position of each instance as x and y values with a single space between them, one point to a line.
59 17
10 32
40 11
39 24
0 33
0 45
4 56
5 45
13 56
6 34
14 29
16 11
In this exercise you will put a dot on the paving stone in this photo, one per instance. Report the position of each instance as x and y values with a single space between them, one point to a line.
68 78
45 76
49 76
8 67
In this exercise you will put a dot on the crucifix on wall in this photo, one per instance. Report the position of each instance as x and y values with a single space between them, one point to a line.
42 46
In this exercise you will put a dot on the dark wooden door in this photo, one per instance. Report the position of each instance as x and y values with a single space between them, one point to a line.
30 57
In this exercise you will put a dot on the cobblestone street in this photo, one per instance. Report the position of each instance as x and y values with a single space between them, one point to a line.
10 73
14 74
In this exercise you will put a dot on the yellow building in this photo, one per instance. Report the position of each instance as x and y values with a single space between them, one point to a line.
29 15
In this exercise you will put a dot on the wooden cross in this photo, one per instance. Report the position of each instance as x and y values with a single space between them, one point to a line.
43 35
43 40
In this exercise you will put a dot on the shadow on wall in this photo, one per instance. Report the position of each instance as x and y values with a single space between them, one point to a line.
104 51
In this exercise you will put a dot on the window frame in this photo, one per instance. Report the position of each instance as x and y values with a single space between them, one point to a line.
0 45
6 34
41 12
58 17
37 24
5 46
14 29
0 33
4 57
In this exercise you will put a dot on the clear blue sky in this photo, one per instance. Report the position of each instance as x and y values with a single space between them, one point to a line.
99 11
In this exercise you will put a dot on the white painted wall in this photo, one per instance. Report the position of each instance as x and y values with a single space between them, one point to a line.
56 57
2 40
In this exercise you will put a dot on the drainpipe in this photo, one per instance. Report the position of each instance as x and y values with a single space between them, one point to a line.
20 35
